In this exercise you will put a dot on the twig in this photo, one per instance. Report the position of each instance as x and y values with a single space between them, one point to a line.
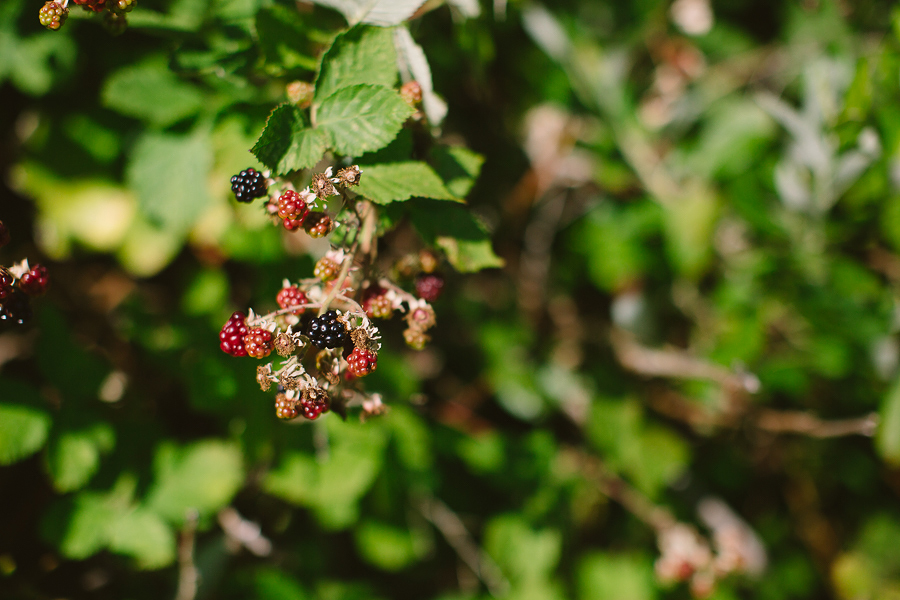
805 423
676 364
342 276
615 488
241 532
454 531
188 575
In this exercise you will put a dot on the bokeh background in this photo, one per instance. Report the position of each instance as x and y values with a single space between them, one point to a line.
683 382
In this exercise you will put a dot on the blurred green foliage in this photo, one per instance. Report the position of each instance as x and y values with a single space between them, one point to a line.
691 225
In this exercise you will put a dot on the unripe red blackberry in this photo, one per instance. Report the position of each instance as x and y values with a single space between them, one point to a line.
291 296
249 184
326 269
429 286
4 235
317 224
314 402
6 283
291 224
415 338
231 338
326 331
286 408
259 342
361 362
35 282
376 303
292 206
52 16
411 91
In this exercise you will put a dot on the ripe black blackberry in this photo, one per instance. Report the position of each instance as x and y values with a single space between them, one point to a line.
15 309
249 184
36 281
231 338
326 331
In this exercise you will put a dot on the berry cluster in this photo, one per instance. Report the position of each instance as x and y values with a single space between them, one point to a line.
54 13
18 284
323 330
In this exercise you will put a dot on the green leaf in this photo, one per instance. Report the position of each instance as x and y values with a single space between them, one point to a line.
287 143
458 167
360 55
271 584
151 92
887 438
23 431
332 488
168 172
468 256
283 36
616 576
388 547
74 456
362 118
395 182
144 536
203 477
523 553
375 12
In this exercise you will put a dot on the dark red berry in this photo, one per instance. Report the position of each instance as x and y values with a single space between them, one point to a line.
4 235
259 342
292 206
291 296
52 16
317 224
362 362
36 281
429 286
6 283
231 338
249 184
286 408
326 331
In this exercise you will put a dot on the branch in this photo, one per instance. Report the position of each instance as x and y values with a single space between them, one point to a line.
454 531
188 575
241 532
